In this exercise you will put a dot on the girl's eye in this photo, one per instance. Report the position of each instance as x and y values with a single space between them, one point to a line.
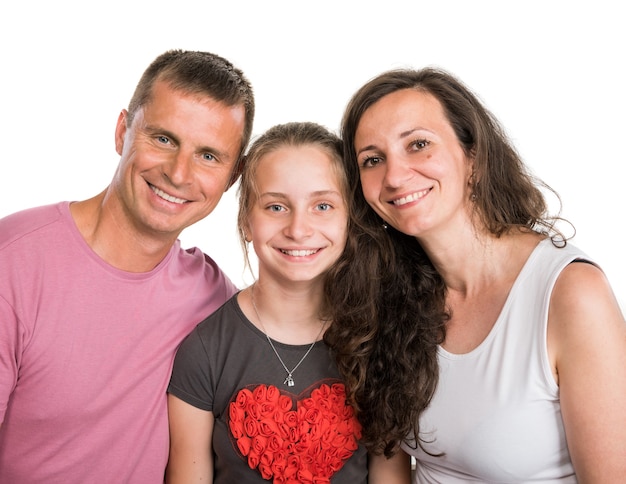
275 208
324 207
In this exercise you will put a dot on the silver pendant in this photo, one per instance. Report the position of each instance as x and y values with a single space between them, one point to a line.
289 381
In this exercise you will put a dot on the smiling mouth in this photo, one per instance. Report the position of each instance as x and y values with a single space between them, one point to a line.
299 253
410 198
165 196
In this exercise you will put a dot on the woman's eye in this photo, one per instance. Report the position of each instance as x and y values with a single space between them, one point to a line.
370 161
420 144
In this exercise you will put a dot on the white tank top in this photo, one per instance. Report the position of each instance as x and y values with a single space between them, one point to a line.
496 412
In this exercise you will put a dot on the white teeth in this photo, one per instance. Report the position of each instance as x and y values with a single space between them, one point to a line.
298 253
410 198
165 196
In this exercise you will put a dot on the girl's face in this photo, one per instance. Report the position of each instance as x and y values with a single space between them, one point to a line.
298 224
414 172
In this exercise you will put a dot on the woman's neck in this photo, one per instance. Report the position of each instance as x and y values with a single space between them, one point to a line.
469 262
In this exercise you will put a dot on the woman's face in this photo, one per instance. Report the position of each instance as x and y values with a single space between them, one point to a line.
413 170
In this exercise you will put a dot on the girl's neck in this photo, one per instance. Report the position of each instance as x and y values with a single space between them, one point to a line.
290 316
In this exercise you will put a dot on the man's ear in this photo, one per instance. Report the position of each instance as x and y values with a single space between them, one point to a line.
237 169
120 131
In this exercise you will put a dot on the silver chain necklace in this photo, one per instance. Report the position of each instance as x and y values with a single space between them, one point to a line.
289 380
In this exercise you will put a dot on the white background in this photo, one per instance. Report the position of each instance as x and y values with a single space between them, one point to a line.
551 71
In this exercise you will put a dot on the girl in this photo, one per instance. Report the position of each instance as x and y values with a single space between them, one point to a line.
254 395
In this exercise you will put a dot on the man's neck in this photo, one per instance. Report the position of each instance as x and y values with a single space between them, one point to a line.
118 244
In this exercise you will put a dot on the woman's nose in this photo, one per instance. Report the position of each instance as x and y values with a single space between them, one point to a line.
397 171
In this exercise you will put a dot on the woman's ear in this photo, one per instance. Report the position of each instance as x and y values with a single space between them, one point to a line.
472 179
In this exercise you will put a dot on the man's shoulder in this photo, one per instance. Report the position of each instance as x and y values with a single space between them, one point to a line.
196 263
194 258
20 224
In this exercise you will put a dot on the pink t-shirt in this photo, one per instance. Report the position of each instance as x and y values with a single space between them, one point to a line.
86 352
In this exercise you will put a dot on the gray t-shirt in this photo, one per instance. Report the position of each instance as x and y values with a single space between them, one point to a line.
264 429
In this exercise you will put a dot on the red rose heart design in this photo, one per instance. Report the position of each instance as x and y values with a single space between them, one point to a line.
308 443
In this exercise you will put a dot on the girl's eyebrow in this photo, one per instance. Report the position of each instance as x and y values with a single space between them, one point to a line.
317 193
320 193
272 194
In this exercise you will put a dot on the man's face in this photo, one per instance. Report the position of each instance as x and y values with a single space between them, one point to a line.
176 160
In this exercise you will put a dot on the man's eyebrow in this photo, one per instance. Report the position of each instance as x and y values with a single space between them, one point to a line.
208 149
158 130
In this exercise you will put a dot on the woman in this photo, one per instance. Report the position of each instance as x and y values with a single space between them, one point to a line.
254 395
531 357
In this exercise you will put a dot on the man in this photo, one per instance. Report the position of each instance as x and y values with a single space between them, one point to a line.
95 296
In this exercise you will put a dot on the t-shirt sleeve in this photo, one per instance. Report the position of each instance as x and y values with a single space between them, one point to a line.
190 379
9 348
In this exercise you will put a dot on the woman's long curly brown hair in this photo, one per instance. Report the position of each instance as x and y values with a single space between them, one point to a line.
387 324
388 301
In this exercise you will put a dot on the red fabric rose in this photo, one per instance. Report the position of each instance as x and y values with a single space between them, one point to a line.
305 444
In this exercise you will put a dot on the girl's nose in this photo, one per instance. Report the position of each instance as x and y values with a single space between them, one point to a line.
299 226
